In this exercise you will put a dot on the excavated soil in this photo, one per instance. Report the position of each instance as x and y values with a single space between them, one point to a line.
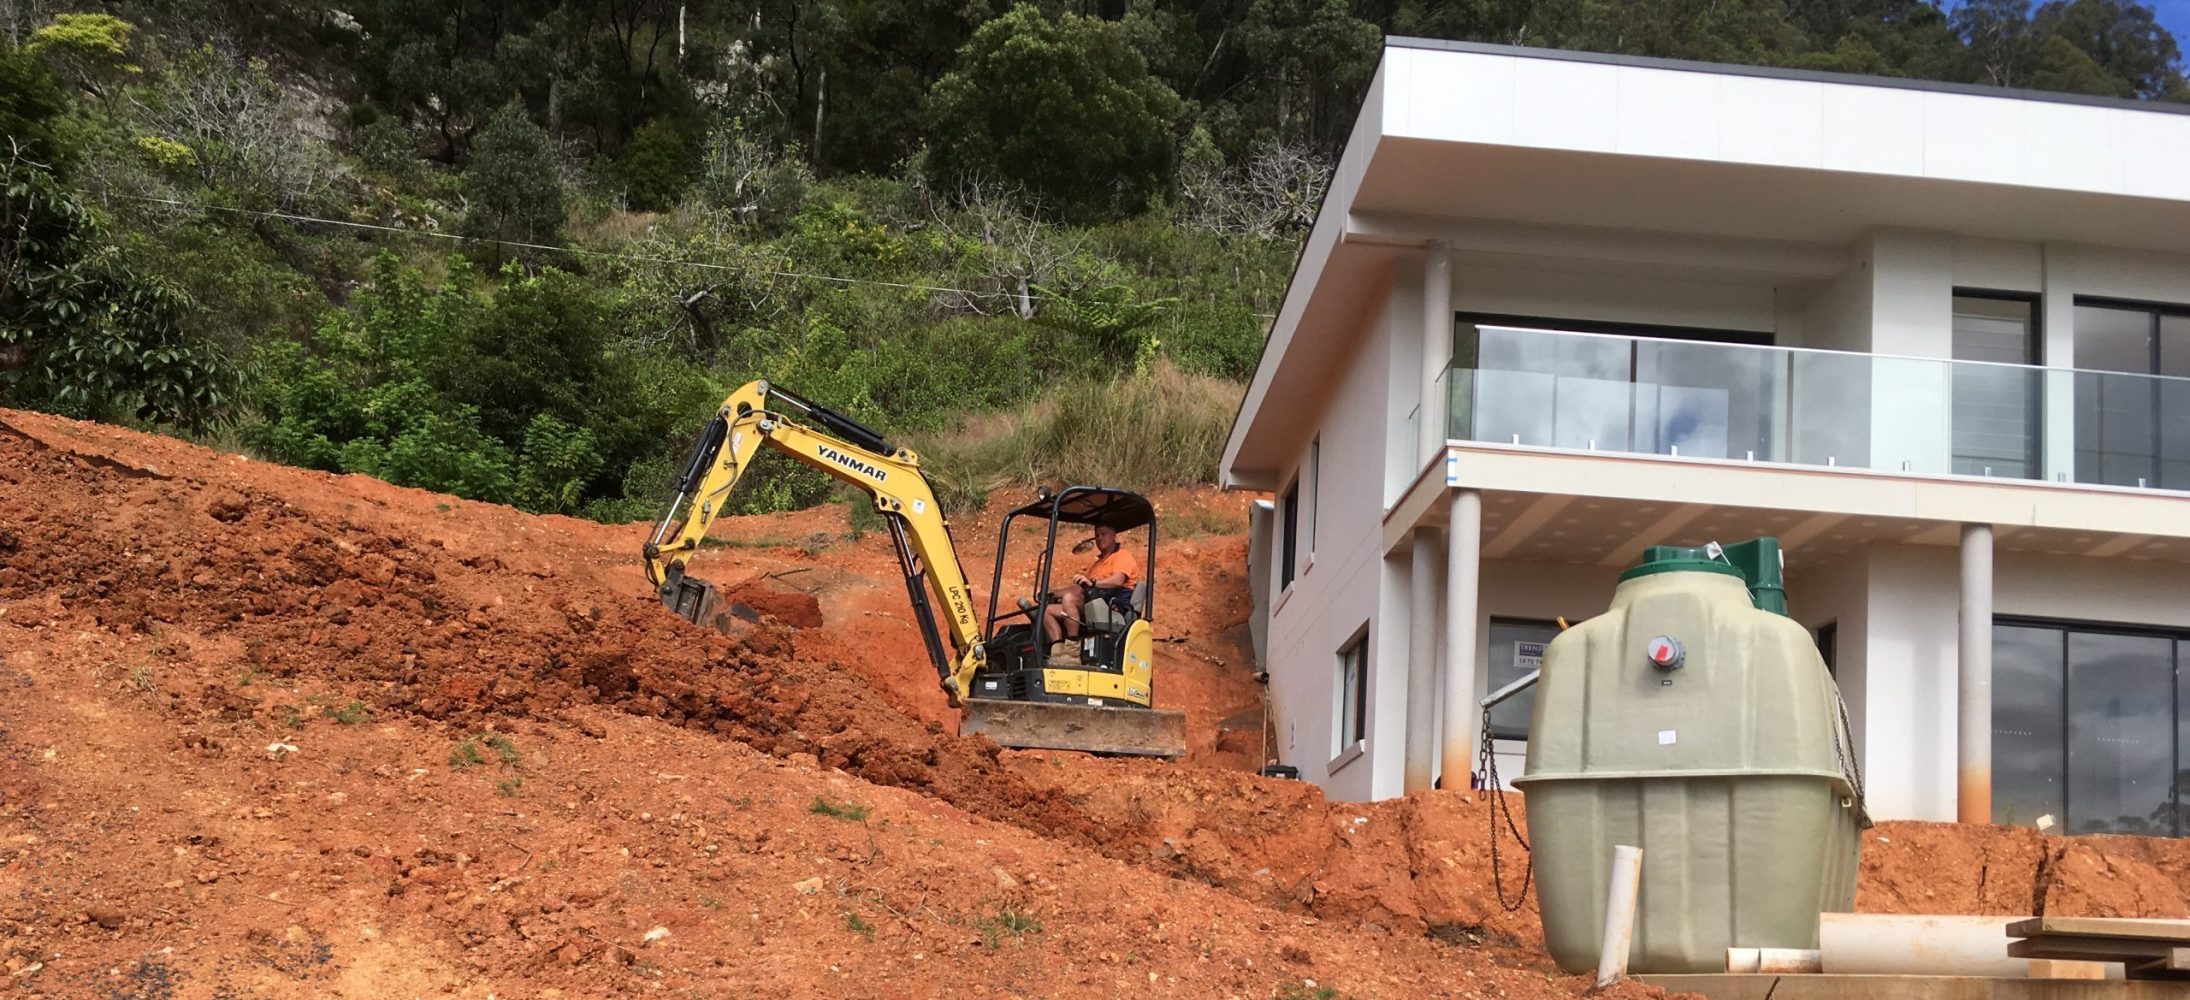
276 733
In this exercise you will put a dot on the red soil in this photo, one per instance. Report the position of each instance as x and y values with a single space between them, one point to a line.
277 733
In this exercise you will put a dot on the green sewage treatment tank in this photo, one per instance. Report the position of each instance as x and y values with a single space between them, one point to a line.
1697 722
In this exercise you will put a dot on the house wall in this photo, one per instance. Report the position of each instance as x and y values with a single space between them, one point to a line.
1619 298
1401 323
1836 592
1902 695
1344 582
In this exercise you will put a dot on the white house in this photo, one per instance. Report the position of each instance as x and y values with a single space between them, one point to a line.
1558 307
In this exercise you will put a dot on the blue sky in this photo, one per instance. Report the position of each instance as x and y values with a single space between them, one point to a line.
2175 14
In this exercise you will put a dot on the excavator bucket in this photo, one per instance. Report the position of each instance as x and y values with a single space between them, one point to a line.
1040 725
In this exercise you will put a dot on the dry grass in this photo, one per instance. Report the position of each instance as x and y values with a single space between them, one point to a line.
1160 428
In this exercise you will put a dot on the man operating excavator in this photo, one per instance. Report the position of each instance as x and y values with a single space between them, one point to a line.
1111 578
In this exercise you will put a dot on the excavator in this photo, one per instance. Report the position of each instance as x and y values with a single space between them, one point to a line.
1001 675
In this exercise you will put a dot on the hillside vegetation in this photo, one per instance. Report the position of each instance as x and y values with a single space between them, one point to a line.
516 250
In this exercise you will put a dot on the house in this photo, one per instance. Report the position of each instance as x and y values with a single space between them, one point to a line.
1557 307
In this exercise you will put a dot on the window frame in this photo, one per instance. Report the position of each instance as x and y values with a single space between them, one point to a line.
1314 475
1350 736
2154 363
1288 536
1489 669
2034 356
2177 638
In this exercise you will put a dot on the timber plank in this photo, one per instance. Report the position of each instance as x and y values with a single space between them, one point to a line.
2090 949
2102 927
1838 987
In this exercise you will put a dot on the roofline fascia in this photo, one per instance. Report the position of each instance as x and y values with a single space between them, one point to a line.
1779 73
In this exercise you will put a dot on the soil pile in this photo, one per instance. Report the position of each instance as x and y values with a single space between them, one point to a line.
274 733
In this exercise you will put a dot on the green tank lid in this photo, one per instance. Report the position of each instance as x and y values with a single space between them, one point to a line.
1757 562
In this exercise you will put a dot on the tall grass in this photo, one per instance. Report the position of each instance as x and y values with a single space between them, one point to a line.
1161 427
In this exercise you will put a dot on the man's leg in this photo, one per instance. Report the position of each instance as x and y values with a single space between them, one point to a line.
1068 604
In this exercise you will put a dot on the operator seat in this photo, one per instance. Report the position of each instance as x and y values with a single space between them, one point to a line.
1103 616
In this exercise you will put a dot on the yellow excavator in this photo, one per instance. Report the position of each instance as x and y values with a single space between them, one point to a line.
1003 678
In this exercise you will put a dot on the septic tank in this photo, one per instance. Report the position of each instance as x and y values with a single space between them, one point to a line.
1696 721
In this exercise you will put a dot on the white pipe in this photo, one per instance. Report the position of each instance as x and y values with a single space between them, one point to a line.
1915 944
1619 915
1773 961
1973 801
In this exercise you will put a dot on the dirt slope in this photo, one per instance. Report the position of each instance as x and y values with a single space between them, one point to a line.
275 733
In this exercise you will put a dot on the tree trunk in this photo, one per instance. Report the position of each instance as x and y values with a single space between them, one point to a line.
821 106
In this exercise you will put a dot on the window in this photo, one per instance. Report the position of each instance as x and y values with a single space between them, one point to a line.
1516 647
2132 429
1996 408
1350 699
1289 533
1828 639
1315 492
2088 727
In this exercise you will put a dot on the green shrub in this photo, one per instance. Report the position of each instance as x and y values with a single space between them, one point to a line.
656 166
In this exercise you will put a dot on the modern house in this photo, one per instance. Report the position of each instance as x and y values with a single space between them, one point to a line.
1558 307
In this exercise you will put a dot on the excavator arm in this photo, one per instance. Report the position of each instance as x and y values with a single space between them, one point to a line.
759 414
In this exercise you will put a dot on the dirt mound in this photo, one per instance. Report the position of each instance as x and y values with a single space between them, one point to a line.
272 732
763 596
2011 870
282 733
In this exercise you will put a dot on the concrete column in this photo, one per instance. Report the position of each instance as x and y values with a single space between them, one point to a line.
1463 581
1973 654
1422 612
1436 348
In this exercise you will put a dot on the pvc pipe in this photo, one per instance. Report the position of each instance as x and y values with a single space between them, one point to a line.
1773 961
1899 944
1619 915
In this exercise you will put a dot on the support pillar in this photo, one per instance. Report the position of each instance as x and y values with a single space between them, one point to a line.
1436 348
1422 620
1973 656
1463 583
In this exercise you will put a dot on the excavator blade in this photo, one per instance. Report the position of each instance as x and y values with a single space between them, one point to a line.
1044 725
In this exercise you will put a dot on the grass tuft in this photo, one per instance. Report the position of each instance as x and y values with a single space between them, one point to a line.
1007 924
850 811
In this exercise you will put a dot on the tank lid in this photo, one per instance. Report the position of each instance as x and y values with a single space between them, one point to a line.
1676 559
1757 562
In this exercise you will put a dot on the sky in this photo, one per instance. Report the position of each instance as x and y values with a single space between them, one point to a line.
2174 14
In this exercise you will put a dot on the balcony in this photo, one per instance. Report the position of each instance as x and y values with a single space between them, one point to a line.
1921 416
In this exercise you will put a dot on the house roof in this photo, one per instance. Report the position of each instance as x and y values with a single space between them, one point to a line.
1760 173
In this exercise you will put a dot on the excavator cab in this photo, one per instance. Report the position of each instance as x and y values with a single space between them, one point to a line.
1025 696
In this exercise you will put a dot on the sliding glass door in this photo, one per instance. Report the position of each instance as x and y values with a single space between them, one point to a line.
2089 728
2132 429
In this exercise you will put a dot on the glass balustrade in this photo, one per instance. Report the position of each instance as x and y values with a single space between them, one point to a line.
1551 389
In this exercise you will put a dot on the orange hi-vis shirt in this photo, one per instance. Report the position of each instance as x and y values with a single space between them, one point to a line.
1120 560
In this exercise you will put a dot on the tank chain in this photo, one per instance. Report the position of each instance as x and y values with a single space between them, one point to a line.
1496 791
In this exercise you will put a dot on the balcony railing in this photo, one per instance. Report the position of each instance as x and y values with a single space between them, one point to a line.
1553 389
